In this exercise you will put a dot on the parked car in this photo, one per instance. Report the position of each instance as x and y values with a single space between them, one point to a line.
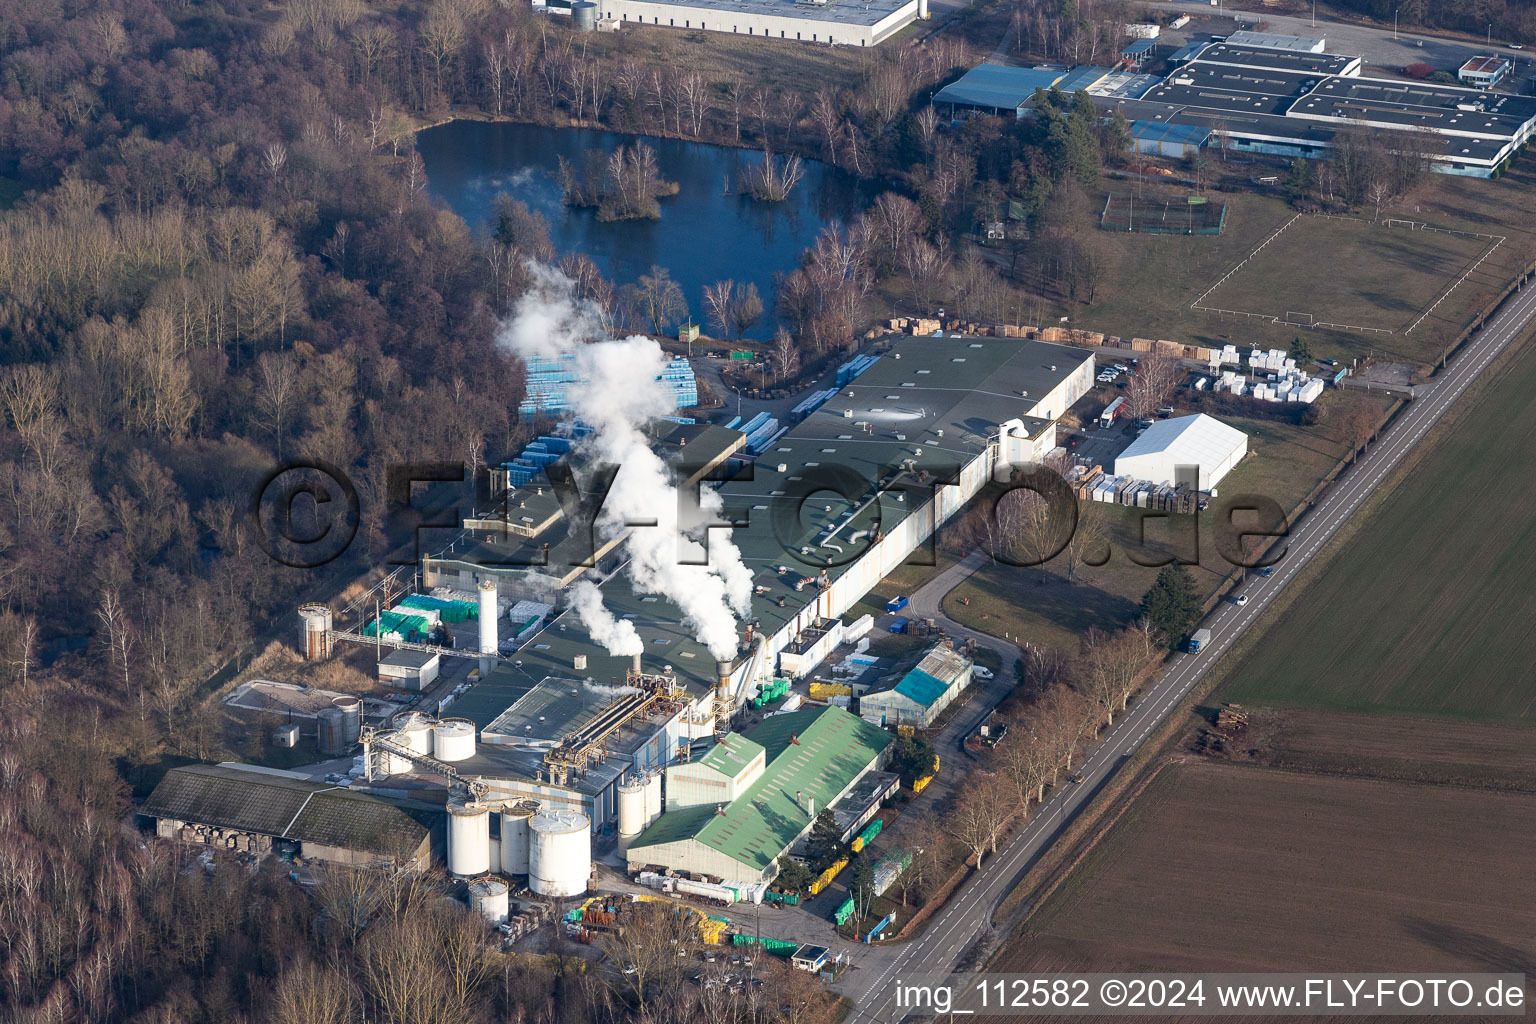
981 672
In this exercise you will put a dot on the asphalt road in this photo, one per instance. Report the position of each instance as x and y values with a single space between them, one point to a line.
946 938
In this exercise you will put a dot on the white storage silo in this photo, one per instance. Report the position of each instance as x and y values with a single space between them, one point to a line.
488 897
415 731
393 764
453 739
469 838
653 804
560 853
488 638
631 811
514 836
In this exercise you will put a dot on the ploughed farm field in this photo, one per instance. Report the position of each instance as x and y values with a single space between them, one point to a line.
1227 867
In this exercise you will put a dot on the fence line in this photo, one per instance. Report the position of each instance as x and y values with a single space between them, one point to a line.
1455 284
1244 260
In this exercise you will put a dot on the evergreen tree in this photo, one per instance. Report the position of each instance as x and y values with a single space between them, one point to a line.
793 876
911 758
1173 604
826 843
1301 351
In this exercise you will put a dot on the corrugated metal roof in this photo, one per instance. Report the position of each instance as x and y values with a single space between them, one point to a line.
730 754
287 808
816 753
1173 134
998 86
1139 46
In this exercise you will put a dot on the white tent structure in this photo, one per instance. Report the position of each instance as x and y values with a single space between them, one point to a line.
1196 441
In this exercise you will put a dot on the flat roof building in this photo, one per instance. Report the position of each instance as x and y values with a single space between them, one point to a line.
1483 72
1277 41
811 21
998 88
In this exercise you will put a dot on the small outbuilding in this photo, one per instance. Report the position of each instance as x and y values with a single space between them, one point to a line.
409 670
1199 450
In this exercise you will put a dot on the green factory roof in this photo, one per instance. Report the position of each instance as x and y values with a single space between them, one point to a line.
730 754
816 753
252 800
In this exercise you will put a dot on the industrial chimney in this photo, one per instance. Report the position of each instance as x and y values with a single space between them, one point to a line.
723 676
634 663
488 640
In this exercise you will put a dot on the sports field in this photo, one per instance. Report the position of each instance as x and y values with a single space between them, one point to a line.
1429 607
1231 867
1353 274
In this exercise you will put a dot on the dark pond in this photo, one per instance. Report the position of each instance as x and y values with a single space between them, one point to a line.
704 234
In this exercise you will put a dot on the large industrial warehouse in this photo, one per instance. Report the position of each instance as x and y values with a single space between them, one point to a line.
834 22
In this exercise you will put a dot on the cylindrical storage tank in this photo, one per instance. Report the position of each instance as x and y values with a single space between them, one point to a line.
415 731
488 617
316 620
453 739
631 811
584 15
515 838
488 897
394 764
653 806
469 838
351 717
331 725
560 853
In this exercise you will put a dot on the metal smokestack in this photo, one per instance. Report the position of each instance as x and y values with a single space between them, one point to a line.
634 663
723 676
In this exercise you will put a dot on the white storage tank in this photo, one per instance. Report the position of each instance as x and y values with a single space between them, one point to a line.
393 764
514 836
469 838
415 731
560 854
453 739
631 811
653 806
488 897
487 613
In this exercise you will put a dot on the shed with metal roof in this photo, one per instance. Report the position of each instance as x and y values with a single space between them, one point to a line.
809 759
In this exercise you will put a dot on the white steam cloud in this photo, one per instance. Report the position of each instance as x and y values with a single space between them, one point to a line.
621 395
603 690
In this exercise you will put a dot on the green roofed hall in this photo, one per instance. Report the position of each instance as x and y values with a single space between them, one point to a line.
733 812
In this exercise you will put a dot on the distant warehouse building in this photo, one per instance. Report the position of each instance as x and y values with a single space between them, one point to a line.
1199 450
923 693
733 812
866 23
256 810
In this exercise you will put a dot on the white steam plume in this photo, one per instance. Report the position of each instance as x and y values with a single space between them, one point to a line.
617 635
603 690
621 395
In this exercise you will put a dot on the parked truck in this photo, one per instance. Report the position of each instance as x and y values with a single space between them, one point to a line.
1198 639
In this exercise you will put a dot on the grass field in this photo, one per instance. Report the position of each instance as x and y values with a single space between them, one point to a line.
1353 273
1149 281
1223 865
1042 608
1428 609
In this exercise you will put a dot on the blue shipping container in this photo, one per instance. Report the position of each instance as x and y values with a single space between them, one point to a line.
899 626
